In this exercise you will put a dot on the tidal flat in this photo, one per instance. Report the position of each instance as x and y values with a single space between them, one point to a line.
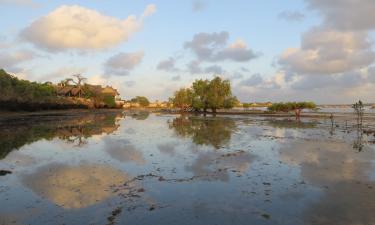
148 168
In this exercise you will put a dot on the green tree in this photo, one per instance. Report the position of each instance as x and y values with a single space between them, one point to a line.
143 101
219 91
297 107
200 95
183 99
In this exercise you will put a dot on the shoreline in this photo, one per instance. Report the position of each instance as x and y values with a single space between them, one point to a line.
5 115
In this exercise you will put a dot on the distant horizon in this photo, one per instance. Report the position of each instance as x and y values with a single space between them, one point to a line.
312 50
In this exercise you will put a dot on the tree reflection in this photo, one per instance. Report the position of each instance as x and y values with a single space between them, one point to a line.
292 124
141 115
214 132
74 130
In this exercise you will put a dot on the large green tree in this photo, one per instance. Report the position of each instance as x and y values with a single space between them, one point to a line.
205 94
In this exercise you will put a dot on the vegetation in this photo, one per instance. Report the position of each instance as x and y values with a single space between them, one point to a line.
359 111
205 94
297 107
141 100
17 94
14 89
246 105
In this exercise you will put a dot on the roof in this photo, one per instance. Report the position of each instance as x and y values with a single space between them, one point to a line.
76 90
110 90
64 90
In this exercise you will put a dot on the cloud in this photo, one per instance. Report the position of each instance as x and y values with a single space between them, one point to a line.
129 83
29 3
61 73
291 16
10 61
168 65
347 14
194 67
254 80
150 9
326 51
198 5
176 78
78 28
215 69
212 47
122 63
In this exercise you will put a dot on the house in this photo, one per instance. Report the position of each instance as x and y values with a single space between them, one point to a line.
70 91
111 91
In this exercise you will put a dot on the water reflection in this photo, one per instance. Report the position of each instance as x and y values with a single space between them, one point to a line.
291 124
214 132
74 187
139 115
123 151
73 130
216 165
343 176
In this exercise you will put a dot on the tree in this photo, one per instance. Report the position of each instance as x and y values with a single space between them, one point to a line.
205 94
246 106
200 98
141 100
183 99
219 91
359 110
297 107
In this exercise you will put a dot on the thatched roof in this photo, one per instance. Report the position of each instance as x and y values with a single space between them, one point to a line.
75 91
64 90
110 91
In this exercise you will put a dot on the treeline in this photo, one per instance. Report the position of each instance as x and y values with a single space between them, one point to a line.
205 94
18 94
13 88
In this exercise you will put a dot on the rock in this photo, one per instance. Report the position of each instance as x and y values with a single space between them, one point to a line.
5 172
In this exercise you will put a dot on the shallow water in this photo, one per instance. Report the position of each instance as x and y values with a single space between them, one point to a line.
170 169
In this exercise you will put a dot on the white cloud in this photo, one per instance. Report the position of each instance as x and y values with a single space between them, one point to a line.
10 61
168 65
150 9
29 3
326 51
212 47
122 63
346 14
79 28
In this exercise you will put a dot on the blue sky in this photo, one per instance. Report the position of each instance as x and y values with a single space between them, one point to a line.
270 50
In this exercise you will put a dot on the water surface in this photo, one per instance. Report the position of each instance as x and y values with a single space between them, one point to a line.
108 168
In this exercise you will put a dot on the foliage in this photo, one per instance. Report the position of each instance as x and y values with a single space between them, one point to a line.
183 98
15 89
200 89
246 105
291 106
109 101
206 94
141 100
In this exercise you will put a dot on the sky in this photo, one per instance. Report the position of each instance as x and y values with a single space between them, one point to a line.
271 50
